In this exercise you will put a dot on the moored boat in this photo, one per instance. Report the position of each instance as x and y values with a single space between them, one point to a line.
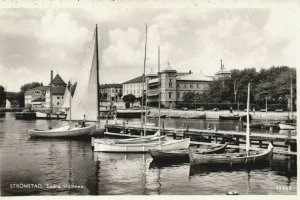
137 139
233 158
249 157
287 126
142 147
183 155
41 115
234 117
64 131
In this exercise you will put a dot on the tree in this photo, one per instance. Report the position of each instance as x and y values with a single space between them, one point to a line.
129 97
2 96
120 94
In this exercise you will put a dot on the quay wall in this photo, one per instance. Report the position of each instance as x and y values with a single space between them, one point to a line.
258 115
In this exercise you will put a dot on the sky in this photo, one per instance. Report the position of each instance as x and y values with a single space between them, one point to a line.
34 41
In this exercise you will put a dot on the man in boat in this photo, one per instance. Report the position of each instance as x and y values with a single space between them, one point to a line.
83 122
230 109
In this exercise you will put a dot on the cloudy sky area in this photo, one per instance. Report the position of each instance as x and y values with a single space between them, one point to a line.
34 41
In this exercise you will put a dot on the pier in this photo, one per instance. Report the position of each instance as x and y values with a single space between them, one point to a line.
289 142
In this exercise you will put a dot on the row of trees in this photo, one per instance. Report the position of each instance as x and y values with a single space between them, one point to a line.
273 83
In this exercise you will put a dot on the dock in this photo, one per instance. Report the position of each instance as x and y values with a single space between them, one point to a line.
213 136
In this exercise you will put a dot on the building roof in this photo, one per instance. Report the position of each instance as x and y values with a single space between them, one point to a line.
152 73
114 85
58 90
41 88
135 80
58 80
169 69
195 77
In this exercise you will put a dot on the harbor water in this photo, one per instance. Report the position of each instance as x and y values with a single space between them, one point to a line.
70 167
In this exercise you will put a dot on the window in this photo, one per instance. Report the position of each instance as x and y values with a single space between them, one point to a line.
191 85
185 85
62 97
170 95
58 103
170 83
57 97
178 95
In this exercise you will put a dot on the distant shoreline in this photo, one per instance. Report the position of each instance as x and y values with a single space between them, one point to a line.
258 115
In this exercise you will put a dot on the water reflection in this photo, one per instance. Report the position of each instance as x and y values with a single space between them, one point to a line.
72 161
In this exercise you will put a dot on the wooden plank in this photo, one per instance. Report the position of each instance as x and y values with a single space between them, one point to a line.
219 133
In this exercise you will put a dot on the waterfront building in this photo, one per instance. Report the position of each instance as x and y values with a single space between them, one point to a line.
174 84
133 86
111 92
39 97
222 73
36 96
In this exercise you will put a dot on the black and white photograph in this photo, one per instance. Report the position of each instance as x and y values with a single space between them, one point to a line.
159 98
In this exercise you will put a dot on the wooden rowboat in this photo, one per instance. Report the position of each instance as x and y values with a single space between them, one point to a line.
233 158
64 131
140 139
183 155
142 147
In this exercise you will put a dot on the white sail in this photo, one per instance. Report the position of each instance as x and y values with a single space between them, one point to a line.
66 102
84 101
8 104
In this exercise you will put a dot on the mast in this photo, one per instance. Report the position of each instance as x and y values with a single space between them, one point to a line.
159 87
97 66
248 123
70 87
144 85
266 109
51 104
292 98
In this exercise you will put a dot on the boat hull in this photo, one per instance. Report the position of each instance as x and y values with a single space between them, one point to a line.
142 147
65 131
183 155
232 158
287 126
234 117
40 115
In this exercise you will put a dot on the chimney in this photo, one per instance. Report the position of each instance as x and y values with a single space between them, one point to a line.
51 78
221 64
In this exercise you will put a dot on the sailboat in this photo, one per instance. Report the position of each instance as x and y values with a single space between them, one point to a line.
84 104
290 124
8 105
249 157
141 146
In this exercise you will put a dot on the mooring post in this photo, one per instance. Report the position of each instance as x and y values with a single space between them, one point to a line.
289 144
271 129
209 138
260 144
187 127
238 141
237 128
174 136
106 121
216 139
